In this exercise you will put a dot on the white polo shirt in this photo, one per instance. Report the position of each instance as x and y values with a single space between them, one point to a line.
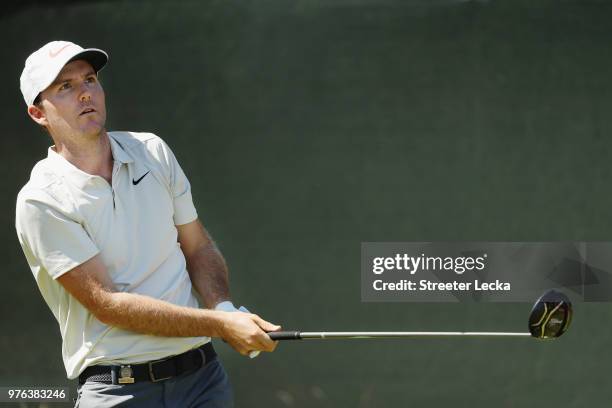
66 216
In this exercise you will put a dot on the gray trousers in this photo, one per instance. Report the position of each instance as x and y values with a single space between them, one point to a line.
206 387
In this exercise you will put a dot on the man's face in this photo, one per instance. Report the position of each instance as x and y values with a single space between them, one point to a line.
74 104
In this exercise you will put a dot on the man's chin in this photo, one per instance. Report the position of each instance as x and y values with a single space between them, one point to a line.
91 132
91 123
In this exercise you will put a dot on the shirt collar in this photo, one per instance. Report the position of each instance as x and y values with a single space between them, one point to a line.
118 152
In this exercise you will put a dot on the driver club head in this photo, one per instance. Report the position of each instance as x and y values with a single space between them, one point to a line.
550 316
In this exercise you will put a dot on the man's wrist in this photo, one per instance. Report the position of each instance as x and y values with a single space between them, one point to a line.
219 321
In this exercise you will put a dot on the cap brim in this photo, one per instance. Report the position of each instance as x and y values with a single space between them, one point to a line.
97 58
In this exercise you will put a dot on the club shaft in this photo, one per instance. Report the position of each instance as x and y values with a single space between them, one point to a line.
382 335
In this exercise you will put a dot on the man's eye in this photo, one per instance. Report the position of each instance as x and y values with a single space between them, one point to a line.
65 86
91 79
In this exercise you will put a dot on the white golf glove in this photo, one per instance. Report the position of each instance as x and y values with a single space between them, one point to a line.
228 306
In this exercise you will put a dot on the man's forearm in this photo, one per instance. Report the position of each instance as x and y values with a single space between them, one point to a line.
144 314
208 273
243 331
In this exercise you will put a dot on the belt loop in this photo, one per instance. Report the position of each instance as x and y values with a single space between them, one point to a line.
114 375
152 373
204 362
203 357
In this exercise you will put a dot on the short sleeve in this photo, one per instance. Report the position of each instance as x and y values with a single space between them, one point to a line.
50 239
184 210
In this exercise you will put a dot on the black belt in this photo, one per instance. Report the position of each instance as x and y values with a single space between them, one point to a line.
152 371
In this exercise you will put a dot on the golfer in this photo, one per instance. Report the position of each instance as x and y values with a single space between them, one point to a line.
109 229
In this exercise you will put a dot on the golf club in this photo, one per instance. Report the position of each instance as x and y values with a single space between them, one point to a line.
550 317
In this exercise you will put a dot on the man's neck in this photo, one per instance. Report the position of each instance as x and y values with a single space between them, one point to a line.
93 155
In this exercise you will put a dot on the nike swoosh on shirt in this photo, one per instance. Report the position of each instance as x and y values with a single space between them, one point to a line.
134 182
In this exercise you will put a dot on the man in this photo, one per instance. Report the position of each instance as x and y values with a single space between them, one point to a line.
110 232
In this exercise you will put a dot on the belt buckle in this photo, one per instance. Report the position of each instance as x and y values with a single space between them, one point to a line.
152 376
125 373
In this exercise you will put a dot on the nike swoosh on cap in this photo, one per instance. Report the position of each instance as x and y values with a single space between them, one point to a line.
54 54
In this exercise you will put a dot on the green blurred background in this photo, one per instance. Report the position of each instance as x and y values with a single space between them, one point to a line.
308 127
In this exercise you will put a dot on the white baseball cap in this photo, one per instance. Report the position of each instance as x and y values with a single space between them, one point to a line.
44 65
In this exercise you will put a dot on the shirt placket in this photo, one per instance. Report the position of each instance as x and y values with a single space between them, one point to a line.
115 181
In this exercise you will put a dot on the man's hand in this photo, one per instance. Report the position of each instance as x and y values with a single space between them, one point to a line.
247 332
253 353
228 306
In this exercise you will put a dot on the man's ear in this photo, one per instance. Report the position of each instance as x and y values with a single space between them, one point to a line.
37 115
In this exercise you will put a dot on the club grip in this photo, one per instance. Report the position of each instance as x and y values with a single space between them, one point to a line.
285 335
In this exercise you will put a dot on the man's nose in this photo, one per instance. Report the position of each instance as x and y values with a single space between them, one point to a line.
85 94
